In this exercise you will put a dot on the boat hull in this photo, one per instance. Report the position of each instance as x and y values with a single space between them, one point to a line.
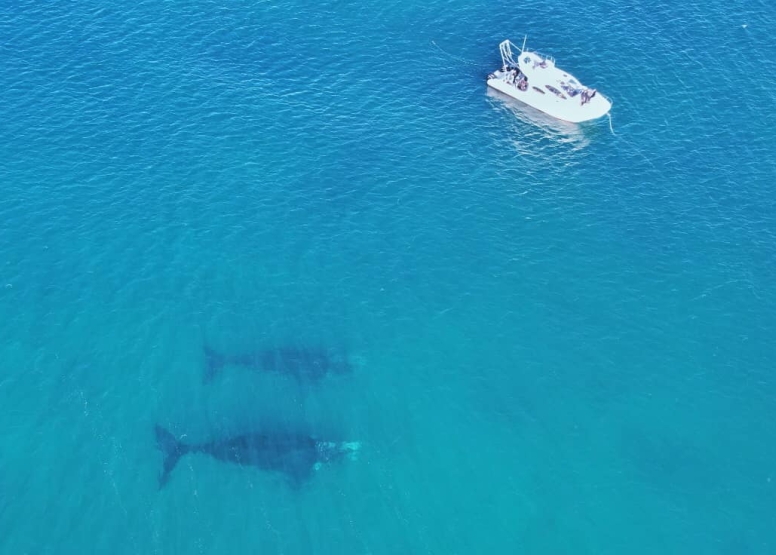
566 109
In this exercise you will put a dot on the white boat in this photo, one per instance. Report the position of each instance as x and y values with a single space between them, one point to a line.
535 80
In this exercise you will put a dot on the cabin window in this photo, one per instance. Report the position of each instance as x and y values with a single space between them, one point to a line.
571 91
537 89
555 91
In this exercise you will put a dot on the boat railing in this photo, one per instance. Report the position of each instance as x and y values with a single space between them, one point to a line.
542 56
507 58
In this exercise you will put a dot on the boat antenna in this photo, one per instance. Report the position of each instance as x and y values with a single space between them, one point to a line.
525 38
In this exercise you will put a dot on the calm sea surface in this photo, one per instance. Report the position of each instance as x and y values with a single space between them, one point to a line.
562 337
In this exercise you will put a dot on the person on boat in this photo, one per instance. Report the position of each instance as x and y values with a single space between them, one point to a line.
587 95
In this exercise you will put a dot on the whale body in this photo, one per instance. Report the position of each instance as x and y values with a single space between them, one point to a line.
293 455
309 364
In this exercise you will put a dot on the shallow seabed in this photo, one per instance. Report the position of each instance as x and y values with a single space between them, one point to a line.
562 337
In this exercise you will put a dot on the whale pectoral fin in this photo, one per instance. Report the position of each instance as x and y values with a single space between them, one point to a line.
298 468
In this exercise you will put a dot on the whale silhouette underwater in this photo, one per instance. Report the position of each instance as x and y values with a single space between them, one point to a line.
293 455
306 364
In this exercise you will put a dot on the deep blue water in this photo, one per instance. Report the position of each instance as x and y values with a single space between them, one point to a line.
563 337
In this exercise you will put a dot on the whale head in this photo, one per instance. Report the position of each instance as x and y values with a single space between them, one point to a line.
329 451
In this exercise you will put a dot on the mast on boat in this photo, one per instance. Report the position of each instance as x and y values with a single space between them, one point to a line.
507 61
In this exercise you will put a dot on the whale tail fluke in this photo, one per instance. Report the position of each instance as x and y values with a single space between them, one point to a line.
172 449
214 362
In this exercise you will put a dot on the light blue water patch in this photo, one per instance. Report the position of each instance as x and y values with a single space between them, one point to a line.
561 336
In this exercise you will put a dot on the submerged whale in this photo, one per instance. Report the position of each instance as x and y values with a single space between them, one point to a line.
303 363
294 455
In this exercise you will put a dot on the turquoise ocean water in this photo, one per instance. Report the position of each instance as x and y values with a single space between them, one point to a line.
563 337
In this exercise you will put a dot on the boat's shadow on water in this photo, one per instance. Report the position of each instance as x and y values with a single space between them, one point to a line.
534 124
